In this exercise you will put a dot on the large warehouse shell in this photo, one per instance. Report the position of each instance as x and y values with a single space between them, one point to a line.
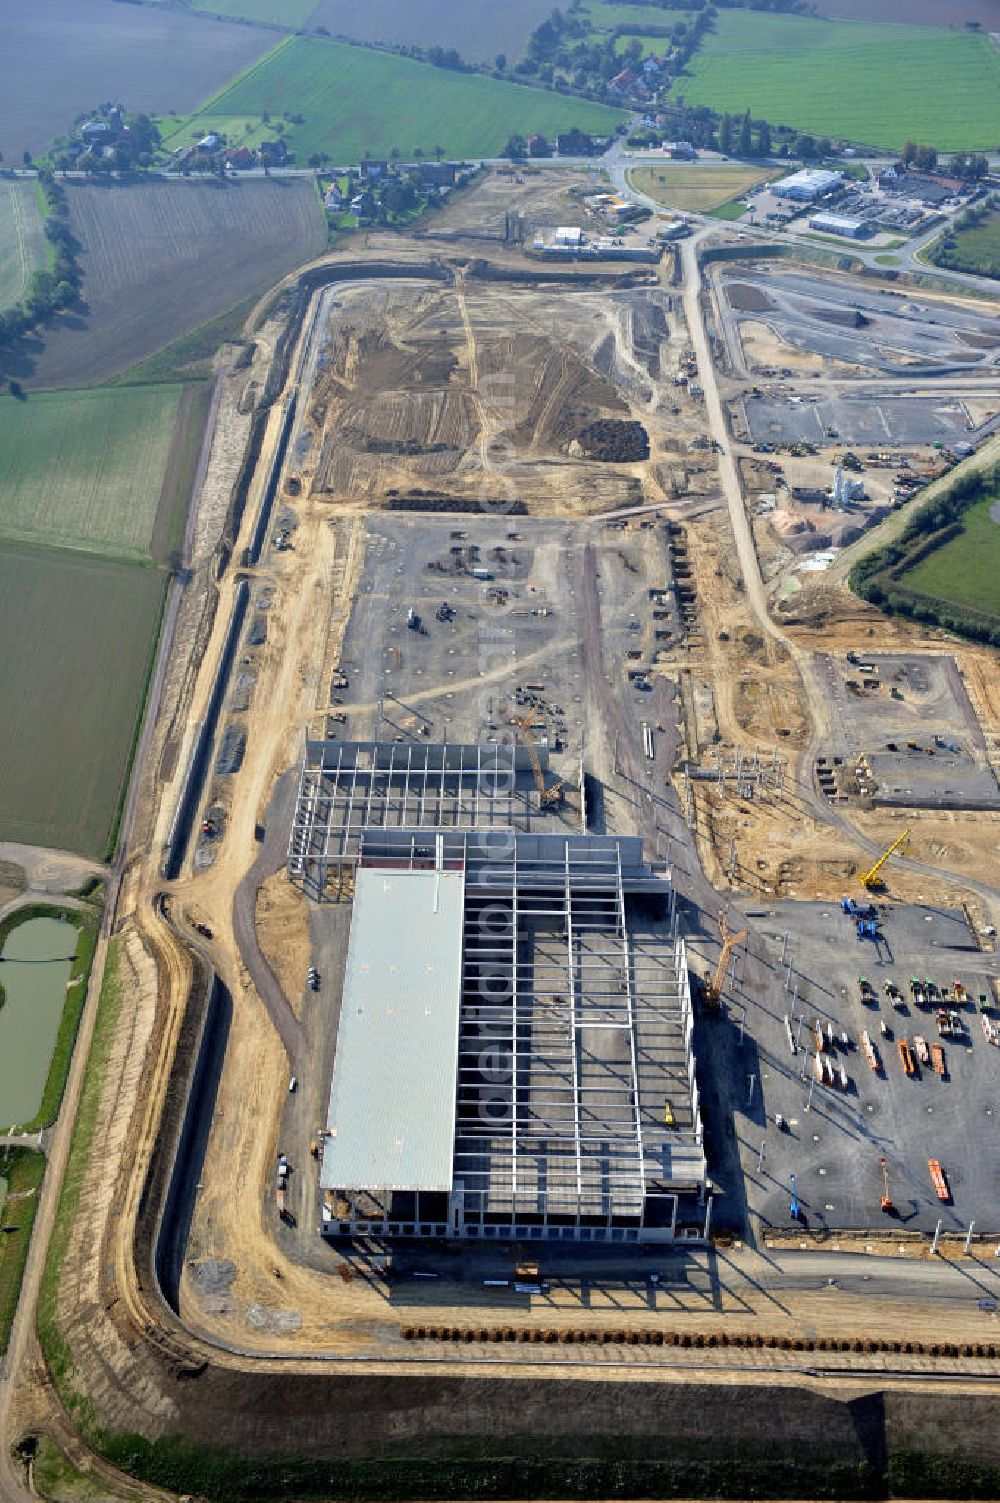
391 1120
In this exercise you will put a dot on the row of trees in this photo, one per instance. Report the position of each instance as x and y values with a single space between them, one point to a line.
969 165
736 135
56 288
880 576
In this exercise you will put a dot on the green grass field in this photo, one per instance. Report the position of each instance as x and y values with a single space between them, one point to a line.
605 17
23 248
965 571
651 46
876 84
22 1171
290 13
85 469
698 187
356 100
77 635
976 250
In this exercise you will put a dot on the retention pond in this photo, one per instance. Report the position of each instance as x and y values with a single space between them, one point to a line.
34 971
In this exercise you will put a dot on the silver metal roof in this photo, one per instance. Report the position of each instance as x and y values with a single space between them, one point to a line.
391 1119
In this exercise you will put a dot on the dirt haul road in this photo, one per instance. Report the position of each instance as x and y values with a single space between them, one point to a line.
819 712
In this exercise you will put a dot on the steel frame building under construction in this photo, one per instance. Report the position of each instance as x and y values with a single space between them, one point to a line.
346 787
514 1054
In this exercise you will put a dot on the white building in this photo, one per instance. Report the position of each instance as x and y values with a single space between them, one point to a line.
839 224
808 185
570 235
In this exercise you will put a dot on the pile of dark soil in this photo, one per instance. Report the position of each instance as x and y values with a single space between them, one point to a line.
619 440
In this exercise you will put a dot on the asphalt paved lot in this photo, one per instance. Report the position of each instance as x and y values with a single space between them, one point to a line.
835 1137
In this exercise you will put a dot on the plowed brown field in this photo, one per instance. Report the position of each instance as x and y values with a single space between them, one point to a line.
161 258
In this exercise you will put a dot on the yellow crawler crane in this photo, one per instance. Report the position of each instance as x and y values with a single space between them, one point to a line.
871 880
715 982
551 795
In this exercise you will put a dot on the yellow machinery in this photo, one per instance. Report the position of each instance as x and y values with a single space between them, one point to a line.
870 879
551 795
715 982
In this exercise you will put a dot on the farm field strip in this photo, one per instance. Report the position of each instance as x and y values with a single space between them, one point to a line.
965 570
915 12
86 469
23 248
356 100
163 258
291 13
78 635
877 84
697 187
60 58
606 17
476 30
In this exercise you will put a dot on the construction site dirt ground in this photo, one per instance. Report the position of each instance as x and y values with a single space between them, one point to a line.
541 196
404 366
725 686
439 391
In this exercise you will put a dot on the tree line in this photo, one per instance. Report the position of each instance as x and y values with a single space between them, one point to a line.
53 289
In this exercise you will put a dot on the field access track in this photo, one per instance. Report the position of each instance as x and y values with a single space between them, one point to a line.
22 240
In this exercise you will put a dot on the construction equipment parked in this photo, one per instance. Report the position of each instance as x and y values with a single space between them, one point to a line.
906 1055
937 1060
870 1053
887 1204
938 1180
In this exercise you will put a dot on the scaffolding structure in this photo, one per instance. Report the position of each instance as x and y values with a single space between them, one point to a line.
346 787
577 1108
749 777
